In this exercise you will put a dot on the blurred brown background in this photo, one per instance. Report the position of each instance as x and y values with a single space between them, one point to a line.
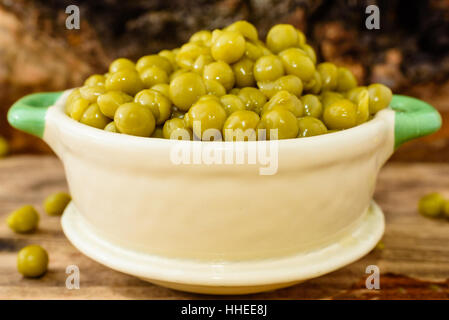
410 52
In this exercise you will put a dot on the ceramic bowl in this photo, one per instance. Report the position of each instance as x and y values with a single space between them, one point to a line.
184 202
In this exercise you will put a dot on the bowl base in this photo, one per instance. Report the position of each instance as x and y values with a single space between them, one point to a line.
226 278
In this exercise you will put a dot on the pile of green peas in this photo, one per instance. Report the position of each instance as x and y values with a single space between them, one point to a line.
227 79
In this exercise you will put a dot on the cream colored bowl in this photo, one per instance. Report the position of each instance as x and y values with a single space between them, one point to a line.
133 195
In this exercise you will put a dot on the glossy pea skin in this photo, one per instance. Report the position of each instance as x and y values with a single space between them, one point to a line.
312 106
188 54
253 51
231 103
286 100
221 72
245 28
153 75
329 76
110 127
252 98
379 97
93 117
341 114
121 64
345 79
282 121
329 97
158 104
95 80
4 147
91 93
243 72
23 220
71 98
214 87
154 60
296 62
281 37
290 83
354 93
301 38
200 62
134 119
204 115
185 90
229 47
176 129
268 68
163 88
78 108
110 101
126 80
203 37
431 205
176 74
314 85
363 113
32 261
310 126
310 52
170 56
55 203
241 126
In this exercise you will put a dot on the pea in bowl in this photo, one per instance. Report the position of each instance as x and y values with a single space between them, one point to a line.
223 228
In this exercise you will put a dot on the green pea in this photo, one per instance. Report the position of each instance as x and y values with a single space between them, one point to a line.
55 203
229 46
91 93
94 117
285 100
110 127
296 62
431 205
310 126
252 98
154 60
268 68
312 105
214 87
32 261
245 28
121 64
231 103
110 101
159 104
241 126
221 72
23 220
126 80
205 115
282 121
134 119
379 97
281 37
243 71
345 79
153 75
176 129
341 114
185 90
95 80
329 76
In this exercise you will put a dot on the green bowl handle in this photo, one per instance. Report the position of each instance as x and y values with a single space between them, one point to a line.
413 119
28 113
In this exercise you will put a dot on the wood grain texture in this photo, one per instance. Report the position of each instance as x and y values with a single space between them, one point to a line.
414 263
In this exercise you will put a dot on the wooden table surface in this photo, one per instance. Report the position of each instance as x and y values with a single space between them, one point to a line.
414 262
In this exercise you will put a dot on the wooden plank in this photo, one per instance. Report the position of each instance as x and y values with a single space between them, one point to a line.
413 264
